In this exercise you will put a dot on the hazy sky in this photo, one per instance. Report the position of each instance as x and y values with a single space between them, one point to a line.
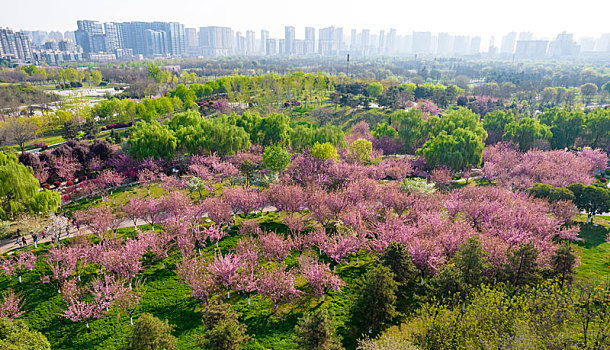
544 18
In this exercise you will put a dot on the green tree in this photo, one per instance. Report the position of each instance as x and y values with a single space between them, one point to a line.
522 266
150 333
151 139
384 130
461 150
550 193
94 77
324 151
16 335
563 261
276 128
587 91
222 328
397 258
316 331
375 301
590 199
495 123
462 118
471 262
276 158
70 129
360 151
374 89
565 126
597 127
20 190
525 131
20 130
411 127
447 283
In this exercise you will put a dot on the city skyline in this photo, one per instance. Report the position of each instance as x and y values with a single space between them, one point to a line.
470 17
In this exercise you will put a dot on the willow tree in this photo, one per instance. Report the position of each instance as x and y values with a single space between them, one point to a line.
20 190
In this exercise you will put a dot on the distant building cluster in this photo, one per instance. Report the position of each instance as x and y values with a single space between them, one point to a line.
97 42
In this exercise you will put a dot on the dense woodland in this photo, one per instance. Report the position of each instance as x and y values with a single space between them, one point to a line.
410 205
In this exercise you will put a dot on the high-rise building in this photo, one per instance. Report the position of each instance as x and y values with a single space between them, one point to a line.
523 36
310 40
216 41
475 45
67 45
461 45
69 34
422 41
381 45
190 34
587 44
16 45
508 43
55 35
37 37
365 43
250 43
271 47
176 38
289 37
85 32
156 42
564 46
240 44
444 47
330 41
264 39
391 42
603 43
114 36
531 49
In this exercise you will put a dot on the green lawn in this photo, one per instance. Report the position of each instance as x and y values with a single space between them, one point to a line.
594 250
166 298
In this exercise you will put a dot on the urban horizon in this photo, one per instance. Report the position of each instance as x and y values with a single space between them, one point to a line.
107 41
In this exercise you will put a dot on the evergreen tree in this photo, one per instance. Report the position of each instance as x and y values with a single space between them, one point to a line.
150 333
376 298
316 331
470 261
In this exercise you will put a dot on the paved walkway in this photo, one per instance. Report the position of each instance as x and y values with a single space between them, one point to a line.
6 245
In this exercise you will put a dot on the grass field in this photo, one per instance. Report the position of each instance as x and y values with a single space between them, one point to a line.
167 298
594 250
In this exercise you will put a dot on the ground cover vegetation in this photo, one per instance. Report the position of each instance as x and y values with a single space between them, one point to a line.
315 211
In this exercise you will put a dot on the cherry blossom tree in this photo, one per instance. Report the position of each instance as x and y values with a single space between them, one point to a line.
192 271
99 219
277 284
319 276
158 244
224 269
244 200
66 166
218 210
286 198
109 179
12 304
152 211
248 252
62 262
147 177
513 169
128 299
274 246
134 209
337 247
